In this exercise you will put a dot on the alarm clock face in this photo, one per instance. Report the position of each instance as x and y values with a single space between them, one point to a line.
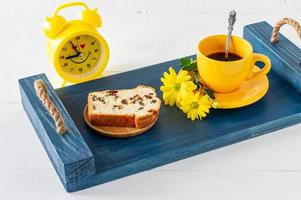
80 55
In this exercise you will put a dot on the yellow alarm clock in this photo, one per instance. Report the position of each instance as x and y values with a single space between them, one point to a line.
79 53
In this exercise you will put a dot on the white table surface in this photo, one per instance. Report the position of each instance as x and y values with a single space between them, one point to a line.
141 33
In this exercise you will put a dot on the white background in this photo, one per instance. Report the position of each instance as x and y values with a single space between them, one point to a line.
140 33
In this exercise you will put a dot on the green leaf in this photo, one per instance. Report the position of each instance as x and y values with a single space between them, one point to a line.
209 93
185 62
188 64
192 67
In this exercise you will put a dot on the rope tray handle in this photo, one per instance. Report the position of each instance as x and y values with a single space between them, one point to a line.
42 93
289 21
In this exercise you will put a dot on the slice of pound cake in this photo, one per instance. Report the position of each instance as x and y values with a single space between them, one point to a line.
137 107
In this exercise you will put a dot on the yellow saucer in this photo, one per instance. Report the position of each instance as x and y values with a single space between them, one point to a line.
249 92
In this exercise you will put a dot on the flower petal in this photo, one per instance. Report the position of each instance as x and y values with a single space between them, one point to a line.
201 113
194 114
205 99
172 72
203 108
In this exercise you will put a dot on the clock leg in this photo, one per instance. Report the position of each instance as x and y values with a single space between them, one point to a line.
63 84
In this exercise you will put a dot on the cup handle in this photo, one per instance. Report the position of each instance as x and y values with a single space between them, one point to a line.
265 60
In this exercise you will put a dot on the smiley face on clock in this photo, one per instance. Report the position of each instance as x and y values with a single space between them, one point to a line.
80 55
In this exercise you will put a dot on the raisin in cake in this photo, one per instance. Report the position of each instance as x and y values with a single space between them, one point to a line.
137 107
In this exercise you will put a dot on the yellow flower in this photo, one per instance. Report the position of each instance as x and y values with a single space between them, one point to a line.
176 86
195 105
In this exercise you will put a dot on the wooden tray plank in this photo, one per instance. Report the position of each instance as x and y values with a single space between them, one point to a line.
284 55
69 153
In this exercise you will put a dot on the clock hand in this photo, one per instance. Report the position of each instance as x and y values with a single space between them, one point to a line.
73 56
74 47
79 62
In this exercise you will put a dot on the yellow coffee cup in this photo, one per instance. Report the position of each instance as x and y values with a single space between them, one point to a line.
226 76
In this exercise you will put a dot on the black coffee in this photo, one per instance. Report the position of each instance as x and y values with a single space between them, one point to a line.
221 56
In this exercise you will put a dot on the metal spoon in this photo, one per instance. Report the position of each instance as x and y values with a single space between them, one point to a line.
231 20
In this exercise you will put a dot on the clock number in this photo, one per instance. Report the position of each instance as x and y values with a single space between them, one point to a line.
65 49
94 58
95 50
93 43
62 57
80 70
65 64
71 69
77 38
88 65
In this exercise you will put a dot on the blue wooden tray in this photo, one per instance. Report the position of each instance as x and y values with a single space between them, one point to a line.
83 158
